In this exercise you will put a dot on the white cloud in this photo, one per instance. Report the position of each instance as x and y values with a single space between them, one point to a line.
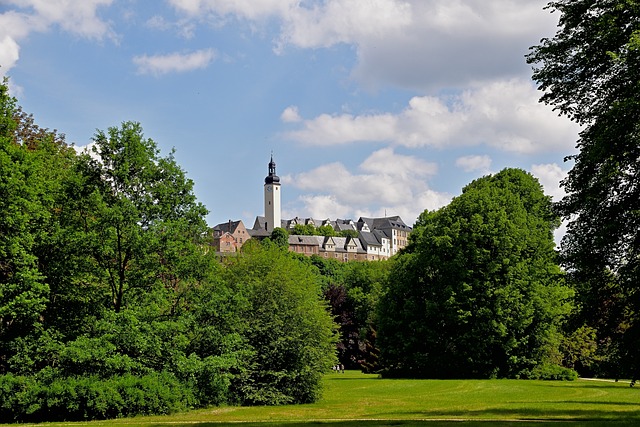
397 165
409 43
184 28
389 183
323 207
550 176
290 115
331 130
452 42
473 163
174 62
503 115
76 17
246 9
345 21
9 54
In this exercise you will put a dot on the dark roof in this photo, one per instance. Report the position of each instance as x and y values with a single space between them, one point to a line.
228 227
369 239
385 222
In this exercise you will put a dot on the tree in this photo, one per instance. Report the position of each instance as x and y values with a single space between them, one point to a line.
138 212
290 335
326 230
280 238
478 292
23 289
590 72
348 233
304 230
34 164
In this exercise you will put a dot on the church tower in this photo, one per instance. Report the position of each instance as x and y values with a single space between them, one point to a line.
272 198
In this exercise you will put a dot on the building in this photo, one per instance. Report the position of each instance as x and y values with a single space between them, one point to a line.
229 236
369 239
272 207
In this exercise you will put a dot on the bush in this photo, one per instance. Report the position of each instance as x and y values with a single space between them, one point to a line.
552 372
27 399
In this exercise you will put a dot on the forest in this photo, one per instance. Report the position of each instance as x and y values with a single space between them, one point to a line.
112 303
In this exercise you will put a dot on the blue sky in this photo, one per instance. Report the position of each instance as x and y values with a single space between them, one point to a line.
369 106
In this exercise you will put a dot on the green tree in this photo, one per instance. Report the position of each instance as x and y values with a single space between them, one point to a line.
34 164
280 237
140 215
478 292
348 233
304 230
326 230
590 72
289 332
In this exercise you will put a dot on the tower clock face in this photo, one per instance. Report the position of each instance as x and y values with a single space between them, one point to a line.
268 188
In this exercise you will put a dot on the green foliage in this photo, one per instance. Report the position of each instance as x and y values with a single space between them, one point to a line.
590 71
280 238
28 184
76 398
326 230
478 292
550 372
141 212
580 348
289 333
304 230
348 233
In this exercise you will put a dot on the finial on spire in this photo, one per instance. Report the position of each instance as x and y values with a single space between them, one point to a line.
272 177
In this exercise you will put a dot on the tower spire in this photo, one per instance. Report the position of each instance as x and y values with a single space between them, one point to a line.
272 178
272 198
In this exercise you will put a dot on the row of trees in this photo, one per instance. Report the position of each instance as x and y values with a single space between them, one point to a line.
480 282
111 303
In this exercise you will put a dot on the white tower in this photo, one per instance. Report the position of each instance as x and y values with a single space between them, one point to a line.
272 198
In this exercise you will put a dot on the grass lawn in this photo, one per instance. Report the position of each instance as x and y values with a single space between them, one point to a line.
354 399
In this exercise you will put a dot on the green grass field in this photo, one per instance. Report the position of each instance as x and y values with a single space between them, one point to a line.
354 399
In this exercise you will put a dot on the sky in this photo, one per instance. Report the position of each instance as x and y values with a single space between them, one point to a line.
369 107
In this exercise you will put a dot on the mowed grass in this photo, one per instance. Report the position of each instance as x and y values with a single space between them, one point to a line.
354 399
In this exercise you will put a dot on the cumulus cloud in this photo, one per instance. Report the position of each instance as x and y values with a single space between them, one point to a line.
244 9
550 176
388 182
9 54
451 43
76 17
396 165
290 115
474 163
410 43
503 115
345 21
174 62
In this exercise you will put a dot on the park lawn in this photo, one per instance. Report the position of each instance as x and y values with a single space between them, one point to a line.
352 399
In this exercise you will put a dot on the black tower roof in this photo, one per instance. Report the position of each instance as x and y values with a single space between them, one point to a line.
272 178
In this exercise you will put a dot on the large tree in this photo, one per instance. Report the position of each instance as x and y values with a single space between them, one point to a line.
137 212
590 72
290 336
477 292
23 291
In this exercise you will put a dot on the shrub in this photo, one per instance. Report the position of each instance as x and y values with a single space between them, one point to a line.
27 399
548 371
